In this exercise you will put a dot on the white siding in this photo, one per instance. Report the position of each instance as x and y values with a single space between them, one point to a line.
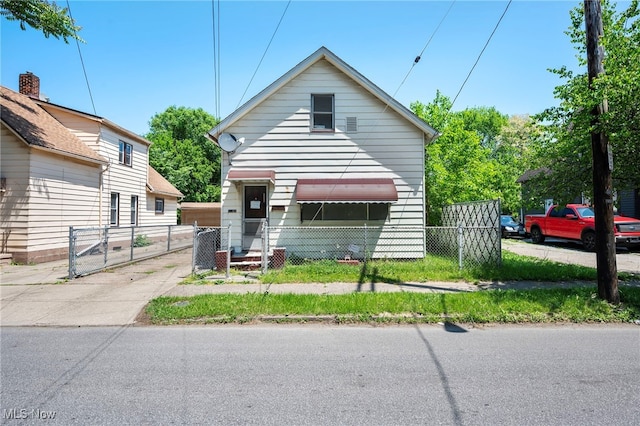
124 180
14 202
170 215
62 193
277 136
46 194
88 131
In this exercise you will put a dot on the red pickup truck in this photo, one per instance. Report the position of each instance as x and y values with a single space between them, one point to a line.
577 222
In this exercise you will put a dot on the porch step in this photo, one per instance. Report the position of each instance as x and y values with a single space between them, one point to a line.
5 258
250 260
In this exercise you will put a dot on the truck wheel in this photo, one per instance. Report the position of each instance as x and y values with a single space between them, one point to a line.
536 236
589 240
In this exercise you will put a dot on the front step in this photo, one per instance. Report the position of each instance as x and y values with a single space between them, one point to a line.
6 258
246 260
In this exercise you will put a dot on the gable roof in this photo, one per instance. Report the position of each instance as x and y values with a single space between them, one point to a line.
100 120
38 129
157 184
320 54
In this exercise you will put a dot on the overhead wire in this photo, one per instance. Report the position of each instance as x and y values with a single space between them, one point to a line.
264 54
417 59
481 52
84 69
386 106
215 21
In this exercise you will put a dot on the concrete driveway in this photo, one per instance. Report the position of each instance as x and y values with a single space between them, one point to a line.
570 252
40 295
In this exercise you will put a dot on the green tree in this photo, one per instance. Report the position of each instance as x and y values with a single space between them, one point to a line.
470 161
183 155
567 150
42 16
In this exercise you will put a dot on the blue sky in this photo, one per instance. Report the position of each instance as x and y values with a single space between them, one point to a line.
144 56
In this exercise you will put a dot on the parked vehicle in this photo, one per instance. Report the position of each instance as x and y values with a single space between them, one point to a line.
577 222
510 228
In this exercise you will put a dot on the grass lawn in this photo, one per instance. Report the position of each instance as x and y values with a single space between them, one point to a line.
491 306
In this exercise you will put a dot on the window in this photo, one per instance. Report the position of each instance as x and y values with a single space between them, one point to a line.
160 205
115 207
340 211
322 107
134 209
126 151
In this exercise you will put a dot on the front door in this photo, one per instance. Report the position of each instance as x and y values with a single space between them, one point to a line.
255 211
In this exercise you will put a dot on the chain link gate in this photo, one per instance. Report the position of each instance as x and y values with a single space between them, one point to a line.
93 249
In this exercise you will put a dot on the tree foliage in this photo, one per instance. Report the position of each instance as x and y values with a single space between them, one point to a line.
567 150
479 155
183 155
42 16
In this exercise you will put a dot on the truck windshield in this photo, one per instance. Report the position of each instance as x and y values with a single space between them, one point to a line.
585 212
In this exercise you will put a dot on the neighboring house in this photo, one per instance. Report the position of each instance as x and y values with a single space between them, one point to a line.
627 202
324 146
60 168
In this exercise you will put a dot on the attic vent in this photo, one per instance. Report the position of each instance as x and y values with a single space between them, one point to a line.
352 124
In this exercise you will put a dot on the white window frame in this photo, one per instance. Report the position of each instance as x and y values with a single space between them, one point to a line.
134 210
125 153
114 209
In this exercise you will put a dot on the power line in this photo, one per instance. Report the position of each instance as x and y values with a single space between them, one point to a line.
415 62
216 54
264 54
84 70
481 52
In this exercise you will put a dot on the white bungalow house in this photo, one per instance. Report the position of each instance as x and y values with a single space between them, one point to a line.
323 146
60 167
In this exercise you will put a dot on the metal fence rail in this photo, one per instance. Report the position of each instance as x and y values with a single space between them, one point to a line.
93 249
468 245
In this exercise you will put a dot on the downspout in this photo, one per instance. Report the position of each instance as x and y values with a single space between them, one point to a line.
100 201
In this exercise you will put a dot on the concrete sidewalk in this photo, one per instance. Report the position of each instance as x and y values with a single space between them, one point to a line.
41 295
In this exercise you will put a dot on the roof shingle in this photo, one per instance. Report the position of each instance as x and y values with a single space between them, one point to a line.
39 129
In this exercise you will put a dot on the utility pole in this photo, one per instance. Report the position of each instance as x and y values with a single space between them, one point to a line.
602 164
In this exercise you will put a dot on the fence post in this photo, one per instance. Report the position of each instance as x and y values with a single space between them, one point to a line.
365 244
228 272
133 241
72 254
265 247
194 247
460 245
169 239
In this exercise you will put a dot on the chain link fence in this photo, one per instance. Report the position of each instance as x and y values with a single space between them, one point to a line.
208 245
470 235
93 249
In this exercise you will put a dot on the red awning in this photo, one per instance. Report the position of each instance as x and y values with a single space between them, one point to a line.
252 175
348 190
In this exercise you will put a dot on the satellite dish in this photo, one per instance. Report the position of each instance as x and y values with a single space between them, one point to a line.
228 142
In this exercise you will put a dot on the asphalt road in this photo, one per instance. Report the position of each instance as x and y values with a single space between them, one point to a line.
322 375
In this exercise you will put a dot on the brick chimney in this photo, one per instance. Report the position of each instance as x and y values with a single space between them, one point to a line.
30 85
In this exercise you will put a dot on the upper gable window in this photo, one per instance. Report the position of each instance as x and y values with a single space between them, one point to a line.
322 113
126 152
